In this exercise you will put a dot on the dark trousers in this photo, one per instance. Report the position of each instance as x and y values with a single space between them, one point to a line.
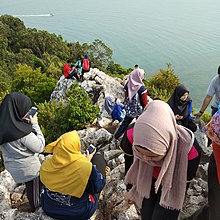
123 127
73 74
212 211
151 210
213 190
33 189
100 163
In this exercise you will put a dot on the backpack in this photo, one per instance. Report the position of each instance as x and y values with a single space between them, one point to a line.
118 112
133 108
85 64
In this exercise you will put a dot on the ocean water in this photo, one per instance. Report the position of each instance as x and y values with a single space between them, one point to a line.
150 33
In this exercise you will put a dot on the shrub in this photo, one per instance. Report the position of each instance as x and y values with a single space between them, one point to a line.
33 83
56 118
162 84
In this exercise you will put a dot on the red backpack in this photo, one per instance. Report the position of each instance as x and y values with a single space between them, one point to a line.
85 64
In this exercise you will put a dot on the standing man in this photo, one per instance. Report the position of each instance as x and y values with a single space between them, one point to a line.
213 89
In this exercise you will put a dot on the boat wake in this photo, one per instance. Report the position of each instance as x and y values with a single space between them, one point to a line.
37 15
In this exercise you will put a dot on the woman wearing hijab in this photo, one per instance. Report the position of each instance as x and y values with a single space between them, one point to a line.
116 110
159 171
135 99
20 143
72 182
181 105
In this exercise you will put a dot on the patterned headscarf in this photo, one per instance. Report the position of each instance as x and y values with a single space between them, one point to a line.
212 129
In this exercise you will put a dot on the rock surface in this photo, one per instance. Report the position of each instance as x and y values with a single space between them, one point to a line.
112 204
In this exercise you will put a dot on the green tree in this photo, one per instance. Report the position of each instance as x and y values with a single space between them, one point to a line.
41 42
162 84
101 55
12 28
5 84
33 83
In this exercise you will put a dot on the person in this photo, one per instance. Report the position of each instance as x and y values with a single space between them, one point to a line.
126 143
20 143
116 110
212 130
158 173
136 98
136 66
79 64
72 182
86 65
73 74
213 90
181 104
66 68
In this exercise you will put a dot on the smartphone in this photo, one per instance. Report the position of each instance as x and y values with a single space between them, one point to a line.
31 112
91 148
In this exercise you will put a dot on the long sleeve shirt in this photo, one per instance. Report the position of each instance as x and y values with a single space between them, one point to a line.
21 156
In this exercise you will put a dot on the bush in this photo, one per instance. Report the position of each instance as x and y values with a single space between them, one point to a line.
162 84
33 83
56 118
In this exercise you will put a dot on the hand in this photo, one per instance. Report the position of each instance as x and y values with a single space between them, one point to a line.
178 117
90 156
198 115
34 118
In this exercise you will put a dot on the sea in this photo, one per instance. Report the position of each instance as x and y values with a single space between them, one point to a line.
151 33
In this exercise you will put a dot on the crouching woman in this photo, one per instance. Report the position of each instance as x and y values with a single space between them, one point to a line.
72 182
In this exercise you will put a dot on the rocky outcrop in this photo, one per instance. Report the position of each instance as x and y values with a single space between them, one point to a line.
112 204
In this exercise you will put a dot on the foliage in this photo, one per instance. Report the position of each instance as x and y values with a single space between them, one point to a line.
116 70
206 117
41 42
5 84
33 83
162 84
57 118
100 55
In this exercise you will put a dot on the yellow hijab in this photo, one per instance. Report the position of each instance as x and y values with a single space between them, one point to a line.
67 171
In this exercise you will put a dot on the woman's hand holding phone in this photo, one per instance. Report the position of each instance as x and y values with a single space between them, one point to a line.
33 119
89 156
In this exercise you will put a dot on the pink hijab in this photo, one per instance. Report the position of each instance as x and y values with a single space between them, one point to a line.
135 82
157 131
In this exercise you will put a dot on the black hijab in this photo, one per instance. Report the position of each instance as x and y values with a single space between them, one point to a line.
178 106
12 109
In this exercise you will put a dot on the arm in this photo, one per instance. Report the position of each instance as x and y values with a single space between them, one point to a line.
34 143
205 104
144 99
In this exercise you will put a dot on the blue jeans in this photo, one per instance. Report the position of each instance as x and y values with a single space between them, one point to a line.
123 127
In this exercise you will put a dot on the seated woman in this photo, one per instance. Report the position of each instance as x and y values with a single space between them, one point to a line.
21 141
115 109
72 182
181 105
156 179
